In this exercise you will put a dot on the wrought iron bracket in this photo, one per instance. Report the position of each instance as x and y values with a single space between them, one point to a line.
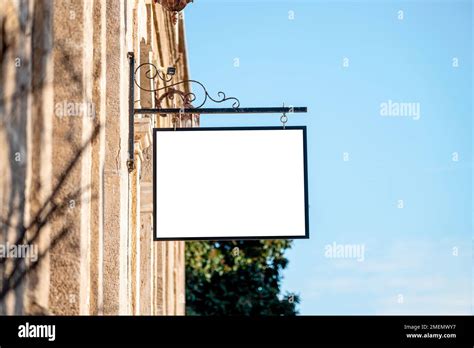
155 76
131 114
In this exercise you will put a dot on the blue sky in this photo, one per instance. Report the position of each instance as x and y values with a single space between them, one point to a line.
389 183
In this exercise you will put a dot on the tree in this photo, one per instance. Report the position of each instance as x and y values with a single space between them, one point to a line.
237 278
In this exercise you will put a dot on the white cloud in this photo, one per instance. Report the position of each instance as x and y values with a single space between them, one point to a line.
430 278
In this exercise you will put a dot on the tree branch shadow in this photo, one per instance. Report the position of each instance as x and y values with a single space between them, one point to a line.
52 209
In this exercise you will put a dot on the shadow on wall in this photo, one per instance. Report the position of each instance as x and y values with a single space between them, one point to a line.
21 29
53 208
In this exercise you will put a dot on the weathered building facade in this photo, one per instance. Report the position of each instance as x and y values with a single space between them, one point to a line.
65 188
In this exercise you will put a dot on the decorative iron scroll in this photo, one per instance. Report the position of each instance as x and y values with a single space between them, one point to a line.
169 91
188 119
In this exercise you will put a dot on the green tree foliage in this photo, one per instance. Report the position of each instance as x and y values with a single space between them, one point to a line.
237 278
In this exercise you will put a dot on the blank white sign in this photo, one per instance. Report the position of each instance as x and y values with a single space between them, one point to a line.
230 183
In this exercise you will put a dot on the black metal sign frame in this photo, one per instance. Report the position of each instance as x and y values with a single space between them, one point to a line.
207 129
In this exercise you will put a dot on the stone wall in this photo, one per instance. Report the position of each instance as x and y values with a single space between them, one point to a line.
65 188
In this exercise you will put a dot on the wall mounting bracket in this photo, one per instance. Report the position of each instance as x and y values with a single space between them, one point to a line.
154 77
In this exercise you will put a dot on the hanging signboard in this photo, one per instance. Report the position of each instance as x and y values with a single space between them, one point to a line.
230 183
